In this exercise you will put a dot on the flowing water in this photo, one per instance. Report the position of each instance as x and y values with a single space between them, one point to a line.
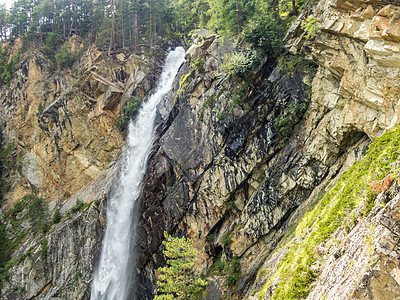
113 276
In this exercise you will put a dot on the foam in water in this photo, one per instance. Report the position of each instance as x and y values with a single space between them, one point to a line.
112 278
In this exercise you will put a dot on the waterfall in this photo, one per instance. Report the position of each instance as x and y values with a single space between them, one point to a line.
112 277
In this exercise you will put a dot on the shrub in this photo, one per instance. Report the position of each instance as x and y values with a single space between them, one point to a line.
209 103
218 266
283 125
2 62
51 43
241 63
64 57
235 100
56 216
43 249
199 65
37 212
234 272
40 110
289 63
130 111
184 78
226 239
231 206
77 207
9 69
210 238
266 34
311 27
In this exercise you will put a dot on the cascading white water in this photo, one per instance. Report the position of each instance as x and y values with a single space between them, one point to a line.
112 278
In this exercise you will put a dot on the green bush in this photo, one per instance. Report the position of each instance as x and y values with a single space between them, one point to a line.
231 206
218 266
226 239
178 279
51 43
7 70
5 254
130 111
184 78
199 65
43 249
40 110
2 62
234 272
59 53
311 27
283 125
37 212
56 216
77 207
64 57
235 100
241 63
209 103
210 238
266 34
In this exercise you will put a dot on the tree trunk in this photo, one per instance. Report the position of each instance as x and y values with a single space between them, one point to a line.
112 28
122 31
135 31
275 9
151 28
73 19
295 12
239 16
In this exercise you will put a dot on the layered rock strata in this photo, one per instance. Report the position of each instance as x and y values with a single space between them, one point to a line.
227 179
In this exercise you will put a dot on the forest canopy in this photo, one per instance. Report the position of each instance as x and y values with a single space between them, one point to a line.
137 24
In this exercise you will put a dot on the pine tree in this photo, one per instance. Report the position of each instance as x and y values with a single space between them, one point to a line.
178 280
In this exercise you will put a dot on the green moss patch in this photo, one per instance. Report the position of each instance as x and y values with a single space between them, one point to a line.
294 270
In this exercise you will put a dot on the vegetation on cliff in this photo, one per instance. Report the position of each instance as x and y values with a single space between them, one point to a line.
177 280
14 229
129 111
350 199
140 25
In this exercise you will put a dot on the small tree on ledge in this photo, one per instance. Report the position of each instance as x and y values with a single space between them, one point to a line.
177 279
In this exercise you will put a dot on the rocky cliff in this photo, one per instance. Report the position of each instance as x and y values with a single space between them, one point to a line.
239 165
62 121
252 168
61 127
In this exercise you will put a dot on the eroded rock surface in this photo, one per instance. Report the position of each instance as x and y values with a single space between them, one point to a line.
223 171
62 124
63 129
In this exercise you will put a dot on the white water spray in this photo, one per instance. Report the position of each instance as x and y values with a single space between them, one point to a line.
112 278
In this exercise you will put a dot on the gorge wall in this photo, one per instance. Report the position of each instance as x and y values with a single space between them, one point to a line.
238 162
229 181
65 143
